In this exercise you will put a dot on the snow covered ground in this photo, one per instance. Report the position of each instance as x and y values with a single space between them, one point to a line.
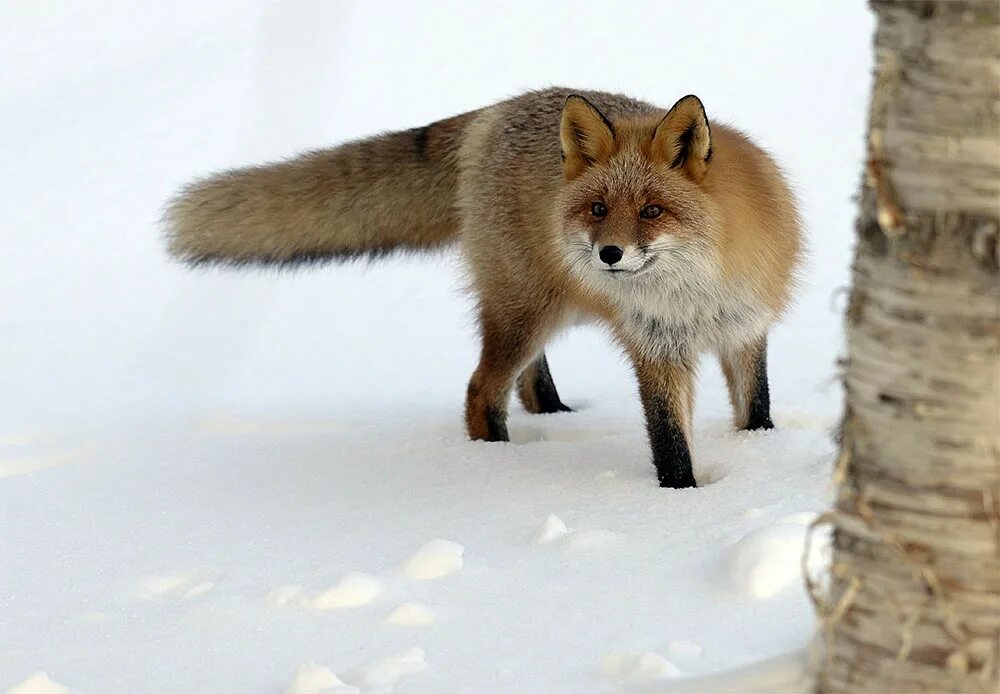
259 482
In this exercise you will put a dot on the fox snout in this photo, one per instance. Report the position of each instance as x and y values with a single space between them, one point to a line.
610 254
610 257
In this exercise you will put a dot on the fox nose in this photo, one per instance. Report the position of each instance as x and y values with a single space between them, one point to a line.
611 254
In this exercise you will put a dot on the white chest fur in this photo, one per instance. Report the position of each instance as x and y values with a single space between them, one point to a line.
681 316
680 326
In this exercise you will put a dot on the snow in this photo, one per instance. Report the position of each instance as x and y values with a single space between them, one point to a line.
411 614
554 532
383 674
552 529
222 481
39 683
766 561
637 667
354 589
283 595
435 559
178 584
786 673
683 650
311 678
378 676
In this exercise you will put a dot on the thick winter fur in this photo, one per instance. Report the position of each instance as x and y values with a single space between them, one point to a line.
679 234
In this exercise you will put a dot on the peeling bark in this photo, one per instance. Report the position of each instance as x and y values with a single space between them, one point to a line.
913 603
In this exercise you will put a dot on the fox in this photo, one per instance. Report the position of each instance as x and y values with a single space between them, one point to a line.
681 237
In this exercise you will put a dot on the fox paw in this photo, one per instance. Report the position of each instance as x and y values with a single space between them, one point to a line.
671 481
759 424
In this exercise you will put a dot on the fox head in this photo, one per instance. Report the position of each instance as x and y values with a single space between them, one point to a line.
634 203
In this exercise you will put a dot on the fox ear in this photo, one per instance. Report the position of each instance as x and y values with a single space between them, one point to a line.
683 138
587 136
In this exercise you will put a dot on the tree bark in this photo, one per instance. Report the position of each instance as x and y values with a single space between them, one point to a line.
913 603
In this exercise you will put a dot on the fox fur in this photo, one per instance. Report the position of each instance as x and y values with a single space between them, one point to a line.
679 235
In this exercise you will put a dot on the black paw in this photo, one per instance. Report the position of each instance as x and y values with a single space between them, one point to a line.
675 482
553 407
759 423
496 425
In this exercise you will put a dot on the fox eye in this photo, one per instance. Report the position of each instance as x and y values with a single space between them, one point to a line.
598 209
650 212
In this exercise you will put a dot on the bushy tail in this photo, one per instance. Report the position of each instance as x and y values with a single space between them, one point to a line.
392 191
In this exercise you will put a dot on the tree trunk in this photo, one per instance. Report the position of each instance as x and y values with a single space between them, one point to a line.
913 603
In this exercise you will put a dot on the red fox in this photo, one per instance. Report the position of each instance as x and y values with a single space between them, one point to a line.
682 237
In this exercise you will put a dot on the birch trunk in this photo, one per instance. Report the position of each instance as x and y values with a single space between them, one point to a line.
914 598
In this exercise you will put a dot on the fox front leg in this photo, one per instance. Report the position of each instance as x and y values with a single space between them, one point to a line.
667 393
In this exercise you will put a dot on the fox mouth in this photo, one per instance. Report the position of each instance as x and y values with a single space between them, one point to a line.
647 262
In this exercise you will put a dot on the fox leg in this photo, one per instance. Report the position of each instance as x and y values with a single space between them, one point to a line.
745 369
536 389
510 341
667 393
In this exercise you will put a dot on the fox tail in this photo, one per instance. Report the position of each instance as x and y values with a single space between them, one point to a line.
394 191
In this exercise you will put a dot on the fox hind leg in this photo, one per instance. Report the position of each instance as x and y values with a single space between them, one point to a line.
745 369
511 339
536 389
